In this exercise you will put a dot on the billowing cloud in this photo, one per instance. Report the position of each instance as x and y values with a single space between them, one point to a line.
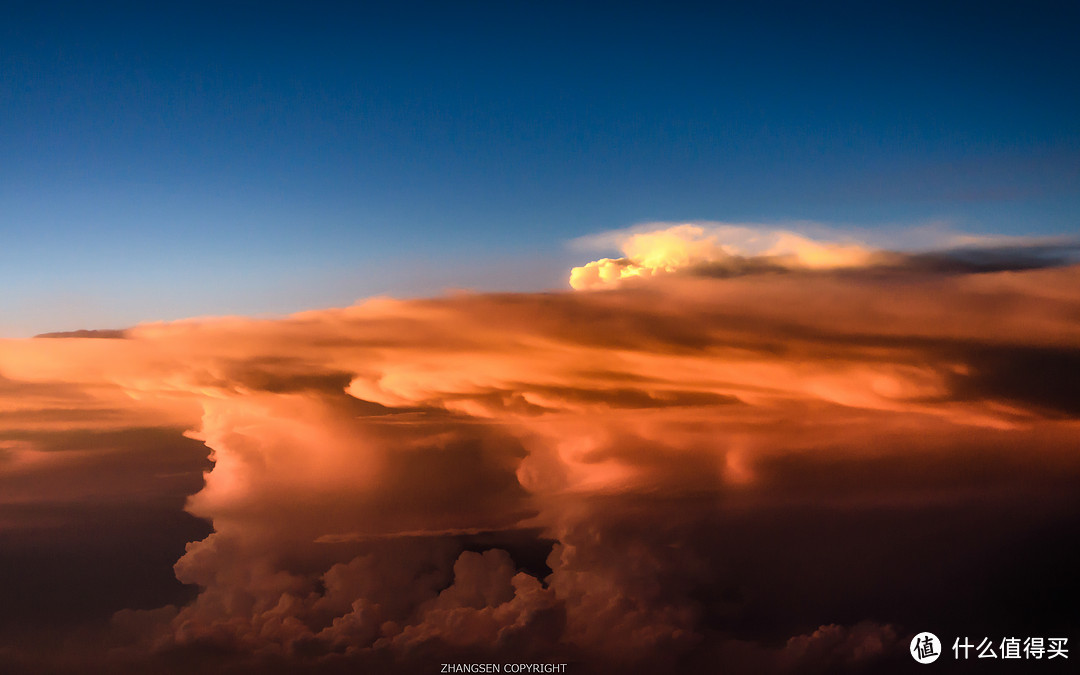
730 249
760 472
721 249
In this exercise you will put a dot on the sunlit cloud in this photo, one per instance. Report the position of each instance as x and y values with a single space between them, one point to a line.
600 477
731 249
722 249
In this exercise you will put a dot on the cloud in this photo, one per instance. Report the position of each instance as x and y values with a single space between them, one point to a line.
750 471
100 334
833 647
720 249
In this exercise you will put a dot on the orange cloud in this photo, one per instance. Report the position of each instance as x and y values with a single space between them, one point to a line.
680 472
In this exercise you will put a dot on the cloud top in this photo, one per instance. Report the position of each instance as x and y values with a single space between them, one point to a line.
720 249
732 249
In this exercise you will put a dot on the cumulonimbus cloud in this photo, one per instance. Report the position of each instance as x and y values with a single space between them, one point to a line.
722 249
731 249
695 471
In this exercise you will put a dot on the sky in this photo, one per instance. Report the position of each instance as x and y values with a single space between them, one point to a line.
170 160
622 337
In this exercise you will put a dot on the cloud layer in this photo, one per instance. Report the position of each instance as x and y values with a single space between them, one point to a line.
755 472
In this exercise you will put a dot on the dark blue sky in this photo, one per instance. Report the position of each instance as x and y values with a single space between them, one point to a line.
164 160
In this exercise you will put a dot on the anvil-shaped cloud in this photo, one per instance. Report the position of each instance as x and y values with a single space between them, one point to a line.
750 472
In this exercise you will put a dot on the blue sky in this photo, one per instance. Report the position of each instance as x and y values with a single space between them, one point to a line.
167 160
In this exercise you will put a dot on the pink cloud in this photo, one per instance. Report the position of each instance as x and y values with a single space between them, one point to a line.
605 477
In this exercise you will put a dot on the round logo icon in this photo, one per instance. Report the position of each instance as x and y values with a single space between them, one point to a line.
925 648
